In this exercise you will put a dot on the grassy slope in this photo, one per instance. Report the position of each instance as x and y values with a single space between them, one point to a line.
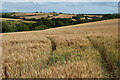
39 15
34 15
83 50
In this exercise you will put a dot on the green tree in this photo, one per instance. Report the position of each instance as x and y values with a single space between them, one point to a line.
41 27
23 28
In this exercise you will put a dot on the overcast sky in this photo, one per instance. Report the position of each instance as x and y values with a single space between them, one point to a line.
60 0
65 7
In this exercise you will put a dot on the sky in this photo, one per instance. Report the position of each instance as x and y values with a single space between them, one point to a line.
65 7
59 0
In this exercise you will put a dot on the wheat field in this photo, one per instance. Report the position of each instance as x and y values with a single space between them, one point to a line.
86 50
34 15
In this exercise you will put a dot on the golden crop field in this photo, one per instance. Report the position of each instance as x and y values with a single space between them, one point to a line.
65 16
34 15
9 19
45 15
88 50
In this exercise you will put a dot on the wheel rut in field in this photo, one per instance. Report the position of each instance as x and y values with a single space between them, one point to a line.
53 44
106 63
5 72
53 48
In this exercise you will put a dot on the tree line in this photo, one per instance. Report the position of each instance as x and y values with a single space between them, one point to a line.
45 23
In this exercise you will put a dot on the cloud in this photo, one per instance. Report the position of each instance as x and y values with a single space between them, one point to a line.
60 0
65 7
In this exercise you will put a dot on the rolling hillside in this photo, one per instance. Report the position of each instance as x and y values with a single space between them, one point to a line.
40 15
51 15
88 50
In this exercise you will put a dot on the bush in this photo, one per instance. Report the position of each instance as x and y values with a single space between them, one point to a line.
41 27
110 16
58 23
36 12
24 18
23 28
6 28
48 16
75 17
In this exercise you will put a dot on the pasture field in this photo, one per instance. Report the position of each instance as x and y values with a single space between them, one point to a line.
65 16
34 15
45 15
10 20
88 50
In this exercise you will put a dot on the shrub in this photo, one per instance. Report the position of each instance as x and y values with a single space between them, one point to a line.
48 16
24 18
36 12
41 27
23 28
75 17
